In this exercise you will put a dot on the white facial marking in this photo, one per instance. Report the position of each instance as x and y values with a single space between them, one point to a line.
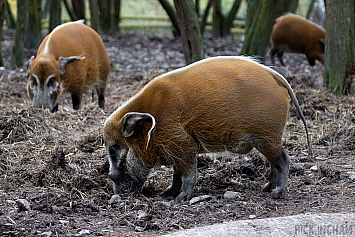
51 88
37 82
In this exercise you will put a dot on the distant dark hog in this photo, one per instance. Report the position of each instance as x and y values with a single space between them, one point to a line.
217 104
72 59
296 34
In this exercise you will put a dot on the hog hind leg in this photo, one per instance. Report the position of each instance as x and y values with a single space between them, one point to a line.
272 55
279 165
280 56
100 90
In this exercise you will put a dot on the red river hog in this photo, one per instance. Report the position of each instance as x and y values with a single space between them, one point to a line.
295 34
222 103
72 58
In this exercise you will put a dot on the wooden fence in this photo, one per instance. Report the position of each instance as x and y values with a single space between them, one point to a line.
136 22
133 22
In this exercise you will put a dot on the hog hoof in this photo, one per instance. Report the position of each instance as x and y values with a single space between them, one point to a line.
182 197
278 192
170 192
268 187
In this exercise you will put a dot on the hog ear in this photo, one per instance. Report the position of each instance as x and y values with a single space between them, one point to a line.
29 63
133 120
64 61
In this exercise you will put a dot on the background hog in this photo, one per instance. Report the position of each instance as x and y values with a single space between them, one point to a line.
216 104
72 58
296 34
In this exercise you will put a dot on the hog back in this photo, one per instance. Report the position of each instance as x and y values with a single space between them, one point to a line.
217 107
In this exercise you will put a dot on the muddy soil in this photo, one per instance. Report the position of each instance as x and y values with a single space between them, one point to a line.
57 164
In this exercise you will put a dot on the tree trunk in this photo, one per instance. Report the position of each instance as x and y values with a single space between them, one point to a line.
10 19
190 31
310 8
228 22
116 15
17 47
253 9
55 11
339 59
94 15
197 7
261 15
2 18
70 11
79 9
109 15
291 6
172 15
34 35
45 10
205 15
105 15
217 19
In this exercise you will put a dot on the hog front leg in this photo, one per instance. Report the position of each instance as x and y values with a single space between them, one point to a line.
175 187
184 180
189 179
188 184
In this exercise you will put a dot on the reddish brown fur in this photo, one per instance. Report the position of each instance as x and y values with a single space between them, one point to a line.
89 69
296 34
218 104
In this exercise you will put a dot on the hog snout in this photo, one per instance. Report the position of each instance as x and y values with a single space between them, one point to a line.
44 95
119 173
129 184
42 99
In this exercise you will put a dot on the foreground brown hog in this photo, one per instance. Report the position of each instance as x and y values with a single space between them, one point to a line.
296 34
216 104
72 58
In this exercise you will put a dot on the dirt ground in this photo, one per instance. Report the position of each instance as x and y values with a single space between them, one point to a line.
57 163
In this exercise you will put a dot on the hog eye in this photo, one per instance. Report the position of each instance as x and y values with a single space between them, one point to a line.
116 154
113 149
51 81
33 82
